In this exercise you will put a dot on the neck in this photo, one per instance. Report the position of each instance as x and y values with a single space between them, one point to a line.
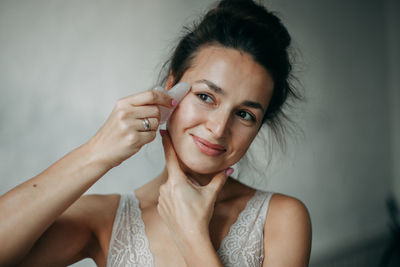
201 180
196 178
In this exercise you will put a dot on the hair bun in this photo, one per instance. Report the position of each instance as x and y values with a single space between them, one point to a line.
235 3
257 14
240 7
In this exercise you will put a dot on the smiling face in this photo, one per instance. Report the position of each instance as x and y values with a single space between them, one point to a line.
215 123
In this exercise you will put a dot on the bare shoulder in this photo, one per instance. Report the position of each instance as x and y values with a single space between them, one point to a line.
286 209
287 232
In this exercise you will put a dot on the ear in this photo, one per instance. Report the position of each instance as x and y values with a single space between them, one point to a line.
170 81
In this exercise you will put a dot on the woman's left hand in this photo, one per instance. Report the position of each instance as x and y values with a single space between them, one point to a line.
186 208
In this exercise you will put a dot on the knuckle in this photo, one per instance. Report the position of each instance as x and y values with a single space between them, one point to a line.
153 94
121 113
120 103
123 126
133 138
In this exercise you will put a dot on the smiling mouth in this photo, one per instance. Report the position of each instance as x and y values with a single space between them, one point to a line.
208 148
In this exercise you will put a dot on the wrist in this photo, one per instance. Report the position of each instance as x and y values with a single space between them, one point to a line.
195 241
198 250
93 158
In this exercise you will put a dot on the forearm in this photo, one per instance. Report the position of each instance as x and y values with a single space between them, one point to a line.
30 208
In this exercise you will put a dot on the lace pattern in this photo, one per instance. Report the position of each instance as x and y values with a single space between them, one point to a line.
243 246
129 245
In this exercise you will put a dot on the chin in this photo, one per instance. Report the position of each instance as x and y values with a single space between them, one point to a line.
200 166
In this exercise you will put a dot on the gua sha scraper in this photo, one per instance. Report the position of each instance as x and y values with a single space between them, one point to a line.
177 92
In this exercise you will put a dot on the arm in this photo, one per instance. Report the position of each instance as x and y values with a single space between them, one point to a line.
36 204
78 233
287 233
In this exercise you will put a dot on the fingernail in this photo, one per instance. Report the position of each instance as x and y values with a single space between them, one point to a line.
229 171
174 102
163 132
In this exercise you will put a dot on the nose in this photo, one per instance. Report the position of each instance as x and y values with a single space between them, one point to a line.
218 123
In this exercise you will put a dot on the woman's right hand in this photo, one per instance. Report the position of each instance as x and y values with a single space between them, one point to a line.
123 134
53 191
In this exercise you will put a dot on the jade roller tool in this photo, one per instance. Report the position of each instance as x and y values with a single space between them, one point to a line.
177 92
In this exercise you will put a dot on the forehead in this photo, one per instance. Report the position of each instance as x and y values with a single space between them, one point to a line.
236 72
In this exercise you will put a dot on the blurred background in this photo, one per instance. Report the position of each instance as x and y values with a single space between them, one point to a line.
64 64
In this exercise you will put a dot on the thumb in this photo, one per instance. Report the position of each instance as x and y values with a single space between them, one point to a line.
218 181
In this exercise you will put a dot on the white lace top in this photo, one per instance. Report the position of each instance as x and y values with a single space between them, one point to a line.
243 246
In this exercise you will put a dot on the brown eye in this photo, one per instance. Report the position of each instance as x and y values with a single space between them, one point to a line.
246 115
205 98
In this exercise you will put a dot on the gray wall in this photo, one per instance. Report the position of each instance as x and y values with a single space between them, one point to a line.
392 8
344 163
64 64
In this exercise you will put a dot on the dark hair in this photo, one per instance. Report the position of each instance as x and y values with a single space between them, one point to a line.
251 28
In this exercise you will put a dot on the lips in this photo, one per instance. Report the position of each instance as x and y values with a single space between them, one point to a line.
208 148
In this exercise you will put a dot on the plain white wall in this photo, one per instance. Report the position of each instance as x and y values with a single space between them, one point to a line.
64 64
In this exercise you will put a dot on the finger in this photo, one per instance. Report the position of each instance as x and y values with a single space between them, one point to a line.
151 97
170 156
146 124
142 112
218 181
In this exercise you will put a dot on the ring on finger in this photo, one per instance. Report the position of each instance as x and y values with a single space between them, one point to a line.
146 124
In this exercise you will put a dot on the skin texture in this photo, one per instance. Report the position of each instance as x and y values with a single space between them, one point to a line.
216 119
190 206
36 205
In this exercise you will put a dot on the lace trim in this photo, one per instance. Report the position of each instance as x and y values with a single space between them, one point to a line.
244 246
129 245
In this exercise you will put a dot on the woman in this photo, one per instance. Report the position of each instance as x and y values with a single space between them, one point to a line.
193 213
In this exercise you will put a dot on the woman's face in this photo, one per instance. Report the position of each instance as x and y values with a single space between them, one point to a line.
214 124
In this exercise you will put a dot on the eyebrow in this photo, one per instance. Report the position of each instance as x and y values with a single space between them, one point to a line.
212 86
254 105
219 91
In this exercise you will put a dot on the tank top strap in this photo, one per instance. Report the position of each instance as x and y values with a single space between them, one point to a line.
244 244
265 199
129 245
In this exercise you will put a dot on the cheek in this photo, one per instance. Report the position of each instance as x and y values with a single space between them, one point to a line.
185 115
241 144
242 141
